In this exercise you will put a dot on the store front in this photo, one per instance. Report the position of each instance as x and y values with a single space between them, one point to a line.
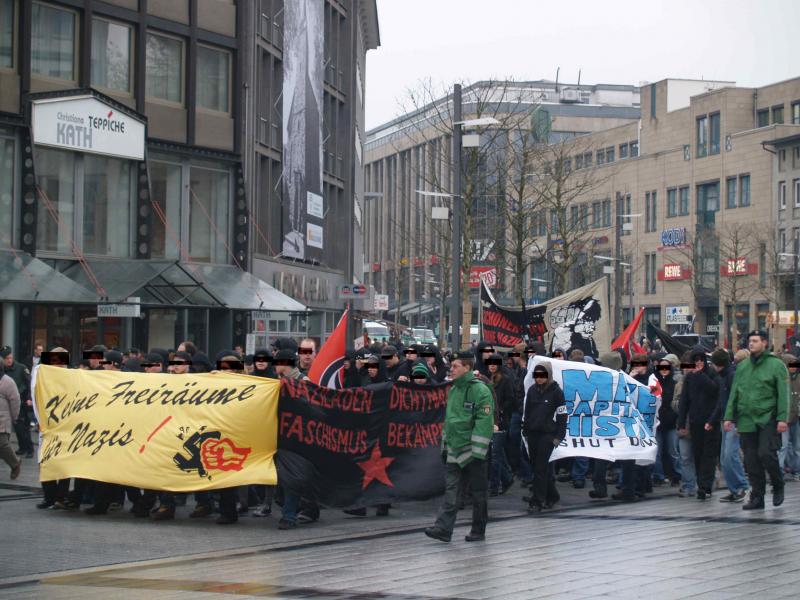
115 221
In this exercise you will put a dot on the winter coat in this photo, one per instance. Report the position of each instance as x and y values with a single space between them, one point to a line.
9 404
699 397
22 377
545 410
667 417
725 384
760 393
504 391
468 421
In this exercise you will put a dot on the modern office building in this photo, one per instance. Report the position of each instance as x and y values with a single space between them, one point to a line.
133 137
403 253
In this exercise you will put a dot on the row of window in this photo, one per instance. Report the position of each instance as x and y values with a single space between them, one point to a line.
795 193
763 114
55 51
605 155
91 200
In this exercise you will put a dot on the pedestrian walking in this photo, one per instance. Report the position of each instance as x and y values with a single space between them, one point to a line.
468 426
759 408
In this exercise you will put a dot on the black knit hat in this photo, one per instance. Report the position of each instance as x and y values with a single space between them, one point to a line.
720 357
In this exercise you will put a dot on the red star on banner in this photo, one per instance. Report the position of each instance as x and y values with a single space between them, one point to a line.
375 468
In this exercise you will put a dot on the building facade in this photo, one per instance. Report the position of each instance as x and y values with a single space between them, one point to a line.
406 257
701 214
131 180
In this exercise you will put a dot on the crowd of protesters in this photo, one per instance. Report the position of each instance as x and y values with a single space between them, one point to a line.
705 397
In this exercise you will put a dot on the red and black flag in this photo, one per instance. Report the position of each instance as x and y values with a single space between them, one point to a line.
361 446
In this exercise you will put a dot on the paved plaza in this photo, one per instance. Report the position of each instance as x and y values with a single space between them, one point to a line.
663 547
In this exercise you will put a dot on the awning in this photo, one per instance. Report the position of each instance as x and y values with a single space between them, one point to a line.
410 307
24 278
182 284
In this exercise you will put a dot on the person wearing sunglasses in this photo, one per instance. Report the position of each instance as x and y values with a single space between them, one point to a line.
666 434
545 425
558 354
420 374
262 364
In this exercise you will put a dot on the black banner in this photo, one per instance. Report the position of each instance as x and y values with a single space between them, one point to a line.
671 345
507 327
361 446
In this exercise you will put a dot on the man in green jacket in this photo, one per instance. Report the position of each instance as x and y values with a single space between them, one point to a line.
759 407
468 428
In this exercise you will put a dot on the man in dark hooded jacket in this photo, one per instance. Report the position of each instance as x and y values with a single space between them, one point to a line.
698 403
545 425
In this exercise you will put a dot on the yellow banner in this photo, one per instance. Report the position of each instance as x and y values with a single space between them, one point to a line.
177 433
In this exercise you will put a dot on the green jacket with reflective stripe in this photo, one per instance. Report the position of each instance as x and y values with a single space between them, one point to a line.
468 421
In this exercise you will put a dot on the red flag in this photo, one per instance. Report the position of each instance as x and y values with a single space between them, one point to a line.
623 341
326 370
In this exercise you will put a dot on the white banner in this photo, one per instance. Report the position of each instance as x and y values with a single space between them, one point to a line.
610 415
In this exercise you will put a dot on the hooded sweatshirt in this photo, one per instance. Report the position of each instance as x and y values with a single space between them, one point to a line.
545 410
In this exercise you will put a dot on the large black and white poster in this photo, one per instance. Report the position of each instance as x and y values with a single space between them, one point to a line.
303 58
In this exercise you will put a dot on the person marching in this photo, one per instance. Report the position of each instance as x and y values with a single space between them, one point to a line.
468 427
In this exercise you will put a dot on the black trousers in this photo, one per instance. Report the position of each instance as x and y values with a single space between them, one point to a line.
705 450
475 473
22 427
55 490
540 447
761 455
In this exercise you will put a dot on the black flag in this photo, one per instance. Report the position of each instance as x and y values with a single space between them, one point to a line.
671 345
361 446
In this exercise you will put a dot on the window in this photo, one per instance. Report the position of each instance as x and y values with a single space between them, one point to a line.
111 55
89 199
574 216
53 40
781 195
601 157
213 80
744 190
542 223
634 149
713 127
7 41
683 194
624 208
579 161
782 240
650 273
672 202
708 198
587 159
796 187
596 214
107 195
165 185
584 216
650 211
7 172
606 213
762 117
702 136
164 68
55 172
610 154
795 113
209 206
730 189
777 114
554 224
623 151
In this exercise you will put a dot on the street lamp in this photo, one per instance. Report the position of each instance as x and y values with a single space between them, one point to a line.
458 125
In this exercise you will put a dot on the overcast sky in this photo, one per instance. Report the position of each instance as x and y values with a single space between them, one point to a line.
751 42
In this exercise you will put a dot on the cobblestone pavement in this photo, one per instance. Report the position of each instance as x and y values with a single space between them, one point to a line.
663 547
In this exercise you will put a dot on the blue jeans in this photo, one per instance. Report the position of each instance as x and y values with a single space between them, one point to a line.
580 466
517 457
789 454
730 462
291 502
688 473
499 474
668 454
